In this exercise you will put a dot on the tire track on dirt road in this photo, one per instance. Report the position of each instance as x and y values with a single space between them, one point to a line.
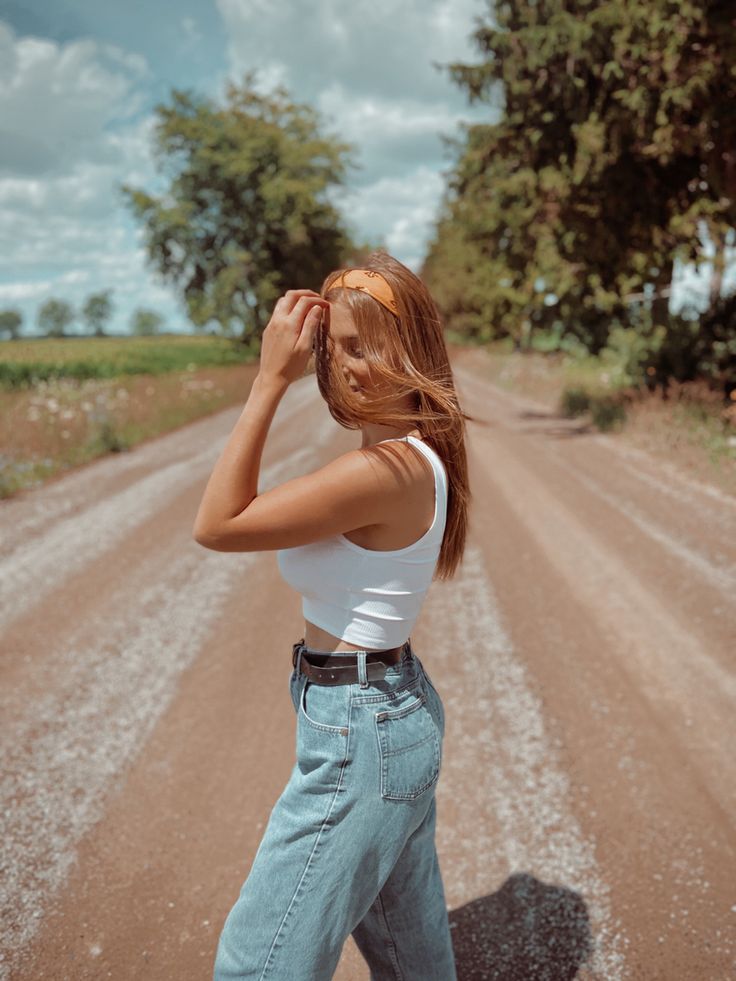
638 689
672 662
511 793
43 545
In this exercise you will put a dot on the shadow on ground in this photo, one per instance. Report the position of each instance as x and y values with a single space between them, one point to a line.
527 931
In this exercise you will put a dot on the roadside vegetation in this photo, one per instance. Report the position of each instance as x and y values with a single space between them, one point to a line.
78 399
688 424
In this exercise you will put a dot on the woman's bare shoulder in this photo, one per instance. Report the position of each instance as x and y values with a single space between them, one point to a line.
398 459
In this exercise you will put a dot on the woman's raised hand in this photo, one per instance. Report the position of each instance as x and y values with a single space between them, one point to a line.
289 335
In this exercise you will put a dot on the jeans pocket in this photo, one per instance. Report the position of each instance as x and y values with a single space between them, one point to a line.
322 706
410 748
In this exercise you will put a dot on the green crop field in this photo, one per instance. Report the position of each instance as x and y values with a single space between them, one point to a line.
24 363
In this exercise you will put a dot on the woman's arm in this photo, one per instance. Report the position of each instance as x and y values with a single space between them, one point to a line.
233 483
285 349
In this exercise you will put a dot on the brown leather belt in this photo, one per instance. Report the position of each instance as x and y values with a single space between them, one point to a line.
329 668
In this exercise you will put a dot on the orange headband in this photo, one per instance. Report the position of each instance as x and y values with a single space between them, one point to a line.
368 281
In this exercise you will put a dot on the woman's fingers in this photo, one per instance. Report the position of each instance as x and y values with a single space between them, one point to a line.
290 299
306 303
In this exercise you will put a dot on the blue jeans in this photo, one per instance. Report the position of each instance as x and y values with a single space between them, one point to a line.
349 846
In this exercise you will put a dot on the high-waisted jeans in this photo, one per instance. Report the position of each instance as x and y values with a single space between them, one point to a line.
349 846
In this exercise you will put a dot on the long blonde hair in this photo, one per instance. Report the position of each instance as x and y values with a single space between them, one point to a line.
408 355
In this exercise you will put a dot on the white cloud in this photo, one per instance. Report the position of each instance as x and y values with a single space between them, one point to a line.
191 31
371 76
400 210
71 132
392 135
28 290
56 101
80 211
385 51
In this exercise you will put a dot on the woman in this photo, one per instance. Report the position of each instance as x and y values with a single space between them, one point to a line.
349 846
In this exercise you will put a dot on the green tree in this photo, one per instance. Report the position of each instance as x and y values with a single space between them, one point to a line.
54 316
146 322
10 321
613 146
97 310
245 215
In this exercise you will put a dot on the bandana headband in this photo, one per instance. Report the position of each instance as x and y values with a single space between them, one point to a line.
367 281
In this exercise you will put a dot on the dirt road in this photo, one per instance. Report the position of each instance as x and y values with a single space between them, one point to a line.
585 655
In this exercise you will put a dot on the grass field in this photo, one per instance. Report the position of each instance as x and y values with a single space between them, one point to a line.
25 363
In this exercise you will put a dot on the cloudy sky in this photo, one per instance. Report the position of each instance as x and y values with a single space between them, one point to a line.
79 80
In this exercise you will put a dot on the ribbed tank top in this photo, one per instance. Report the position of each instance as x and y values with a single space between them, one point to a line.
368 597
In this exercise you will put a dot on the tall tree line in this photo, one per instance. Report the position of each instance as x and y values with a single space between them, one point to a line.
613 156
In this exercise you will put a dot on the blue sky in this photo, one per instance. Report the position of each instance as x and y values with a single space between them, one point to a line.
79 81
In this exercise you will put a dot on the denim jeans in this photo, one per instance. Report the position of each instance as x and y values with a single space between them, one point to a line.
349 846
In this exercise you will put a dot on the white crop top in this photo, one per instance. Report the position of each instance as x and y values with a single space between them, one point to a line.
368 597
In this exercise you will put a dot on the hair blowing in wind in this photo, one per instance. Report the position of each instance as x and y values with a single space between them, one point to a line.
406 354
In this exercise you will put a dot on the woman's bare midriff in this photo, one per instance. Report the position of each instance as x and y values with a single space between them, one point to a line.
320 640
405 529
